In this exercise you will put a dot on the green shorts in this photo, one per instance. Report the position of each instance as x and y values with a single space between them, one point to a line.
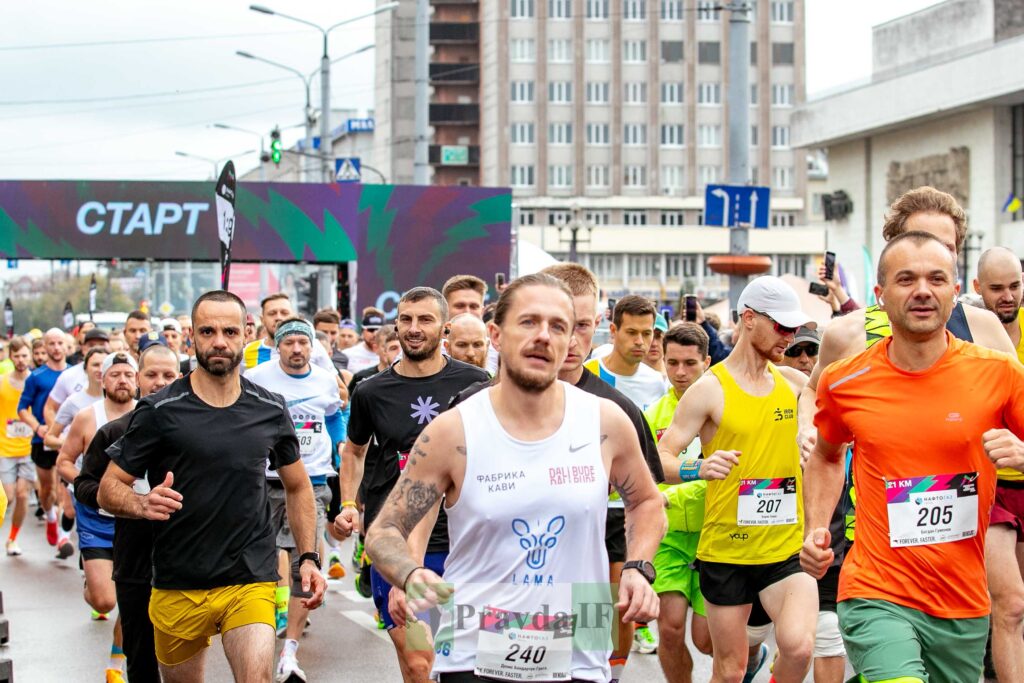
885 641
674 565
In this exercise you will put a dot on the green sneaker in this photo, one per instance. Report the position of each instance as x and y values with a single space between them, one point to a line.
357 554
644 642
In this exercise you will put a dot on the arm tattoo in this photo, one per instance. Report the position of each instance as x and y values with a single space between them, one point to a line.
419 451
461 450
424 438
626 489
603 437
417 497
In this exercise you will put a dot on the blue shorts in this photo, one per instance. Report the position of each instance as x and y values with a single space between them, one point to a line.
381 588
94 530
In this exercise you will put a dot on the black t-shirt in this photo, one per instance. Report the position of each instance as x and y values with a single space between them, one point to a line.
360 377
222 535
393 410
133 538
371 453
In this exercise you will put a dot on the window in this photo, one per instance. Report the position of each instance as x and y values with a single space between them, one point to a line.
635 134
794 264
556 217
527 217
782 11
599 51
672 10
597 9
522 134
1017 146
709 94
523 50
597 92
560 133
522 9
647 267
599 217
635 92
780 137
671 51
606 266
753 95
522 176
636 176
522 91
782 95
753 53
783 220
634 51
709 136
598 134
634 10
709 52
782 177
560 176
708 176
597 176
560 50
706 10
672 135
753 136
671 181
559 9
782 53
634 217
672 218
560 92
752 175
671 92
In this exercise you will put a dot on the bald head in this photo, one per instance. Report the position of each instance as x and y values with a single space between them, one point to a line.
999 283
467 340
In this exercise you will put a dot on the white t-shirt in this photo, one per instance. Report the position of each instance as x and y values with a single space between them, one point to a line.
643 388
71 380
360 357
310 399
74 405
257 353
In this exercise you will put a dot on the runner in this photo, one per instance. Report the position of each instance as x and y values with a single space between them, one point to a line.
214 561
655 358
6 364
347 337
744 412
30 411
364 354
79 355
17 473
802 354
251 331
467 340
133 538
464 294
83 398
422 381
39 355
911 586
388 347
328 322
95 526
274 309
315 408
75 378
522 465
136 325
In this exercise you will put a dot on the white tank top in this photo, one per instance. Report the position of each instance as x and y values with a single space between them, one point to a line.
101 414
527 549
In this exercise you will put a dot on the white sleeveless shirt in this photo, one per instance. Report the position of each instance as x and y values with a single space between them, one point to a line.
527 557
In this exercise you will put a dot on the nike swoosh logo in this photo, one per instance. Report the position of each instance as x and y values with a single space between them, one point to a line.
297 401
573 450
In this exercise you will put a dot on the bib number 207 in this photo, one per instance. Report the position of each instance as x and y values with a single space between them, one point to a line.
768 506
935 515
529 654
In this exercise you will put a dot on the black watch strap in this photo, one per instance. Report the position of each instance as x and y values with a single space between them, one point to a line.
645 568
315 557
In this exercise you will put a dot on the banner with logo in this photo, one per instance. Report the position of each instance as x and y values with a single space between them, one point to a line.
226 219
69 316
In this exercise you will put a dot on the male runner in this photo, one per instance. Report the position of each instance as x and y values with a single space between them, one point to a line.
203 444
315 408
391 409
17 473
364 354
744 411
928 415
802 354
632 331
347 337
39 354
75 378
274 309
135 325
464 294
467 340
655 357
30 410
999 284
83 398
524 550
133 538
328 322
95 526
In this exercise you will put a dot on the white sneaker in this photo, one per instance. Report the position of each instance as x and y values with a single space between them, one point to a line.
12 548
288 670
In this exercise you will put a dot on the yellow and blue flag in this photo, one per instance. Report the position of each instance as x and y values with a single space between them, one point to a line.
1012 204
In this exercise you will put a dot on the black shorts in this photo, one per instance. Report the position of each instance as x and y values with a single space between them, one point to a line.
97 554
615 535
42 458
828 589
738 584
335 507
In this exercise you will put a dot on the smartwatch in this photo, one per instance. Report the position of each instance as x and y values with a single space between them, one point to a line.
314 557
645 568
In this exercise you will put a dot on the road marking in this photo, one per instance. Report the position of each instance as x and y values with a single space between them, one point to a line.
366 621
353 596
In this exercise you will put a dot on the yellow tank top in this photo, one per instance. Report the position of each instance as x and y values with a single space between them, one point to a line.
1020 344
755 515
15 435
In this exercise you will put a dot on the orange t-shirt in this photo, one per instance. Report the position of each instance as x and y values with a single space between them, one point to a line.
925 486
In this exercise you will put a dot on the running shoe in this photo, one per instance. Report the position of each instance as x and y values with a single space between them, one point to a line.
115 676
51 532
65 550
288 670
335 570
758 664
99 616
363 586
357 554
380 622
644 642
282 623
12 547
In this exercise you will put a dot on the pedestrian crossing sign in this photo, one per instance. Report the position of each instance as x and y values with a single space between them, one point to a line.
347 170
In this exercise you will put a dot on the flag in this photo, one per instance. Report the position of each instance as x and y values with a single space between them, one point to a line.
225 192
1012 204
92 296
69 316
9 318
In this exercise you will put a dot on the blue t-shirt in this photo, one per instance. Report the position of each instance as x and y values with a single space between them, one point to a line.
37 389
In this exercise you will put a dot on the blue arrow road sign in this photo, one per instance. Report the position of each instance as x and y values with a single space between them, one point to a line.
729 205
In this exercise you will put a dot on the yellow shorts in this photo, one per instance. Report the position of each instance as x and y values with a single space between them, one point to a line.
184 621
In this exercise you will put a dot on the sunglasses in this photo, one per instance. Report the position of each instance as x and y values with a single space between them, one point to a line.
794 351
779 329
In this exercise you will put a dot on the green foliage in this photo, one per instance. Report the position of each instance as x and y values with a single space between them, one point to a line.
45 311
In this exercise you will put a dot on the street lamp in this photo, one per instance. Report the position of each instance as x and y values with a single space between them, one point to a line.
215 162
325 74
574 228
224 126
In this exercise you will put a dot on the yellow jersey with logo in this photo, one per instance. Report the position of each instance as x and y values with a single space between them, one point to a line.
756 514
15 435
1020 344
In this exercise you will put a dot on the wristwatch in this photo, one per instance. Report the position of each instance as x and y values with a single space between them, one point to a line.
314 557
645 568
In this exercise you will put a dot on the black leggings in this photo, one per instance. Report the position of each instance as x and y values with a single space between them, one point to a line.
137 630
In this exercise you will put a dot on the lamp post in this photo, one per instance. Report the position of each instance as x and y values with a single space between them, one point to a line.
574 228
214 162
224 126
325 76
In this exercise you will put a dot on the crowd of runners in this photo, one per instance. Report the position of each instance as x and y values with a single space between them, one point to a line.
782 496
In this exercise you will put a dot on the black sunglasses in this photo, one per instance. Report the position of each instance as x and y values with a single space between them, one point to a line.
795 350
779 328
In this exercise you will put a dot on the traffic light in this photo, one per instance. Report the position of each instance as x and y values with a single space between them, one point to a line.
307 290
275 146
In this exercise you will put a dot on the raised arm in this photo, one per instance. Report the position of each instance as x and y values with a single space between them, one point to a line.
71 447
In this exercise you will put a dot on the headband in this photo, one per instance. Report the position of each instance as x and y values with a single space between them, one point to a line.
293 327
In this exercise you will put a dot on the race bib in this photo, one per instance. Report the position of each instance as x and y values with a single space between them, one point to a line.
514 646
767 502
16 429
934 509
307 433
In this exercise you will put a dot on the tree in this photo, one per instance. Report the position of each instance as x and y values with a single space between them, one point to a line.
45 311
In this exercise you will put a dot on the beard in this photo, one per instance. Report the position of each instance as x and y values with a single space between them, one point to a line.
217 364
120 396
531 384
296 362
1007 318
428 350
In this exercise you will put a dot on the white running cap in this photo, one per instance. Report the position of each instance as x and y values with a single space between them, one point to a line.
777 300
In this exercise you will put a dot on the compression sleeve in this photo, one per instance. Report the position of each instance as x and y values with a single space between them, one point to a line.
335 427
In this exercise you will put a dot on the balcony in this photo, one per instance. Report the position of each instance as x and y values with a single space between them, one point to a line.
445 32
454 114
458 73
455 155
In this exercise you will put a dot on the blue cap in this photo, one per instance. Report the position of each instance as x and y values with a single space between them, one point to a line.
151 338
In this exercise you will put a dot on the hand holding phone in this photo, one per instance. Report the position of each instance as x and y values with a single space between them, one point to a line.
830 265
691 308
